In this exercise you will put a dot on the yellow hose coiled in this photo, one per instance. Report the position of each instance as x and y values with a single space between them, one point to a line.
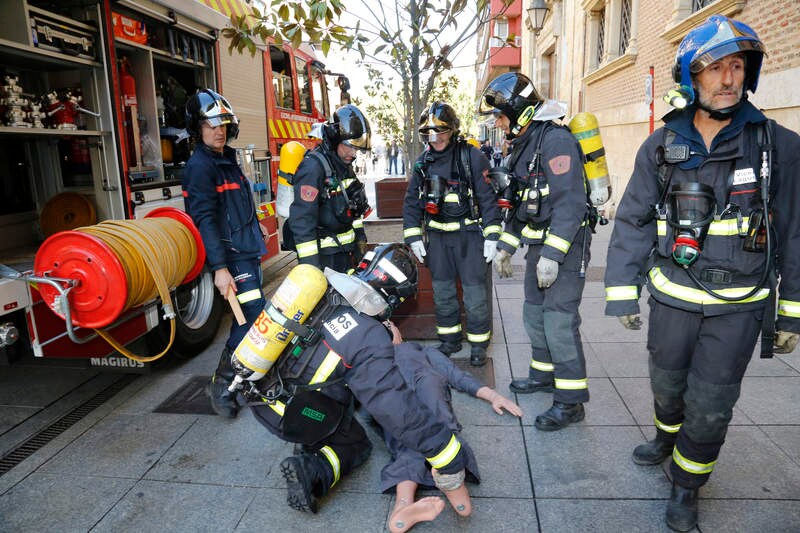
156 255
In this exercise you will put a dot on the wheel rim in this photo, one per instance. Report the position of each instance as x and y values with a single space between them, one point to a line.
195 300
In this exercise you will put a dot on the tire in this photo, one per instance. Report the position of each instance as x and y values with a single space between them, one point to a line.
199 309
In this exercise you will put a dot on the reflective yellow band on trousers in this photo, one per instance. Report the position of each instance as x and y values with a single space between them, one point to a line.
698 296
248 296
278 407
571 384
442 330
479 337
789 308
325 369
539 365
622 292
333 459
690 466
664 427
449 453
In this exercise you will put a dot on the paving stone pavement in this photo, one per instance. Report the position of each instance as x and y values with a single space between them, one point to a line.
125 468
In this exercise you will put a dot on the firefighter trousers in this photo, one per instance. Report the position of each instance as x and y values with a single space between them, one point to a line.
247 275
696 368
552 321
459 255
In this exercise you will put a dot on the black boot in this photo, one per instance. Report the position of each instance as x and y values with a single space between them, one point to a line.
559 416
682 508
530 385
449 348
223 401
652 452
477 356
303 482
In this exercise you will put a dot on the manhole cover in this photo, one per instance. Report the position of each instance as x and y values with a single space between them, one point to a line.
484 373
190 399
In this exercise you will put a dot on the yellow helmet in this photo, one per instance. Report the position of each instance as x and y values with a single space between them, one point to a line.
474 142
291 155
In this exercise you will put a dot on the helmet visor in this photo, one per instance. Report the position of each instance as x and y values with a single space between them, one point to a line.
220 120
492 102
704 59
428 133
359 294
359 143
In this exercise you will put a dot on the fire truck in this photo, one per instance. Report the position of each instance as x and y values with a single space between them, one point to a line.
92 129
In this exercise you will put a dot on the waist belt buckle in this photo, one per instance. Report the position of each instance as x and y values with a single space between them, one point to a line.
715 275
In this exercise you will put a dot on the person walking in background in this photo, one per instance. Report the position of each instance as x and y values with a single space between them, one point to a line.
487 150
393 157
218 197
704 188
553 222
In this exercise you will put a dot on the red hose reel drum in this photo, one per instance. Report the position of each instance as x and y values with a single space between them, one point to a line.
101 292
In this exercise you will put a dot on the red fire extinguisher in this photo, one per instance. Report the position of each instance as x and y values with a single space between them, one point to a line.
130 108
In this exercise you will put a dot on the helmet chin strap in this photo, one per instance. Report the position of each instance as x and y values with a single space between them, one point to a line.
725 113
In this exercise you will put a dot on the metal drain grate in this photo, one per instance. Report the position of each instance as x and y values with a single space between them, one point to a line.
30 446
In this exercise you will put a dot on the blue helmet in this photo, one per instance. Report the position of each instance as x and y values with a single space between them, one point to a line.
712 40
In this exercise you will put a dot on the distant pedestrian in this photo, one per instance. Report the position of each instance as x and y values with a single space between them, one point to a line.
497 156
487 150
393 151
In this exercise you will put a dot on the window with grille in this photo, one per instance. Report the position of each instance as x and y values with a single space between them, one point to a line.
625 26
601 36
697 5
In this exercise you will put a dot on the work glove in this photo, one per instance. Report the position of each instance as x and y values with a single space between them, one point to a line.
631 321
546 272
502 264
419 250
489 250
361 249
785 341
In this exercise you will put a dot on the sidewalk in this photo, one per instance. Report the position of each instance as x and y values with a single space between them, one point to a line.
125 468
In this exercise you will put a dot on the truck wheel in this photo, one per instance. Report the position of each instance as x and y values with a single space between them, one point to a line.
199 309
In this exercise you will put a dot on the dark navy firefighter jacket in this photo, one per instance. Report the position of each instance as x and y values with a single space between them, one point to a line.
218 197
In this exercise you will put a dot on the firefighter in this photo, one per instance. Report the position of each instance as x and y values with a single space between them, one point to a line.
450 201
326 217
354 358
719 175
551 218
218 197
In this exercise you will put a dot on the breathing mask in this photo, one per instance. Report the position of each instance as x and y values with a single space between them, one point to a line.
690 209
434 190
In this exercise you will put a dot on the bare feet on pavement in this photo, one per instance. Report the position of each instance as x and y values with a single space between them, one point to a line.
407 516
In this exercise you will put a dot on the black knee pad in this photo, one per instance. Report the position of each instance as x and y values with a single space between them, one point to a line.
709 409
668 387
475 300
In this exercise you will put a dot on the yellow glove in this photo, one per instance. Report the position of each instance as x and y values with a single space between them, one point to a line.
785 341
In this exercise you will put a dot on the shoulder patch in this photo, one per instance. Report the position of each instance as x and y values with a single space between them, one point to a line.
560 164
341 326
308 193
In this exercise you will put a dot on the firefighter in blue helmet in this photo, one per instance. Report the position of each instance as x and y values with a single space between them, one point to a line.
218 197
353 359
706 222
325 224
548 211
451 204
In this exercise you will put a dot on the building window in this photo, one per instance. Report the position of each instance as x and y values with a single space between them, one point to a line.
625 26
500 32
697 5
601 36
687 14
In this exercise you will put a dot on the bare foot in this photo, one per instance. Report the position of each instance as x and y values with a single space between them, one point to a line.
459 499
423 510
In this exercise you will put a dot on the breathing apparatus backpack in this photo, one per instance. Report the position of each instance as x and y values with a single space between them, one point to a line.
348 203
433 189
284 337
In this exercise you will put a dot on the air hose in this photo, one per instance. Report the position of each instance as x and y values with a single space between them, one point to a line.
121 264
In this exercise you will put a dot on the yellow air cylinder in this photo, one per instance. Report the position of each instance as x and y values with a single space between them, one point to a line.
264 342
585 128
291 155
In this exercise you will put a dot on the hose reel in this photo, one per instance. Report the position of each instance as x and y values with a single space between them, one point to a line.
106 269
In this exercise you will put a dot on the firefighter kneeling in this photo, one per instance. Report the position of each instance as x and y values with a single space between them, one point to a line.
342 352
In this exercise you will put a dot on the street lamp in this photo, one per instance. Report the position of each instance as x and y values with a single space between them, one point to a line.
536 15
